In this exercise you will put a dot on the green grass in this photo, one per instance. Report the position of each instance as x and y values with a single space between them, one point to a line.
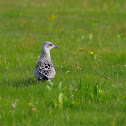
87 89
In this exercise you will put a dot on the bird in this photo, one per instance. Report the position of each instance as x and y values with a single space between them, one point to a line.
44 68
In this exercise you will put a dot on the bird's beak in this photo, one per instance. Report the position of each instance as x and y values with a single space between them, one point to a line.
56 47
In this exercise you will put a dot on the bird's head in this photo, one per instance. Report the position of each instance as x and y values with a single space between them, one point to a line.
47 46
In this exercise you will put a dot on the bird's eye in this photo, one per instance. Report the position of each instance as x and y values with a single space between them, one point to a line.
50 44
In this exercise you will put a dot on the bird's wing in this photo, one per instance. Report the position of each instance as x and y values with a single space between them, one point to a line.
44 69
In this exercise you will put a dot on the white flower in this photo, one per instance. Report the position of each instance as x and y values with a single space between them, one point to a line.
34 109
71 95
14 105
75 89
67 71
30 104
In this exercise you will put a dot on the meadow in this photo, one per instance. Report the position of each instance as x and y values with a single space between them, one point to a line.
89 88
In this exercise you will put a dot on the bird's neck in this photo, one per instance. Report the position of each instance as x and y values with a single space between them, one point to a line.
45 54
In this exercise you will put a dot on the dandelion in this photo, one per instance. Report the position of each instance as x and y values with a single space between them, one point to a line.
80 49
17 59
91 53
75 53
52 18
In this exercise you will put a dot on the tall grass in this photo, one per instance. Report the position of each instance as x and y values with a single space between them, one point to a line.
90 85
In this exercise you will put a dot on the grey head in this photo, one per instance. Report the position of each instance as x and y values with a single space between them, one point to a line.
45 49
47 46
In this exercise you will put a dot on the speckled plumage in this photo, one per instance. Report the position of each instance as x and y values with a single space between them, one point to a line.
44 69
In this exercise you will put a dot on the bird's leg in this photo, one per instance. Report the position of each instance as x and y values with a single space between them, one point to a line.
49 80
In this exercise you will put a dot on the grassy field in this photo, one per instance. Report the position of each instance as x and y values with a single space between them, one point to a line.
89 88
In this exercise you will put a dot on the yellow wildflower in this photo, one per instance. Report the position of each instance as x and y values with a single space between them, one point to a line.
80 49
51 18
17 59
91 53
75 53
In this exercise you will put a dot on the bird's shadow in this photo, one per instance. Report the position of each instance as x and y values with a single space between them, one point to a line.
21 82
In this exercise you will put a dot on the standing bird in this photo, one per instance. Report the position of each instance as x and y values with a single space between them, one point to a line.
44 69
